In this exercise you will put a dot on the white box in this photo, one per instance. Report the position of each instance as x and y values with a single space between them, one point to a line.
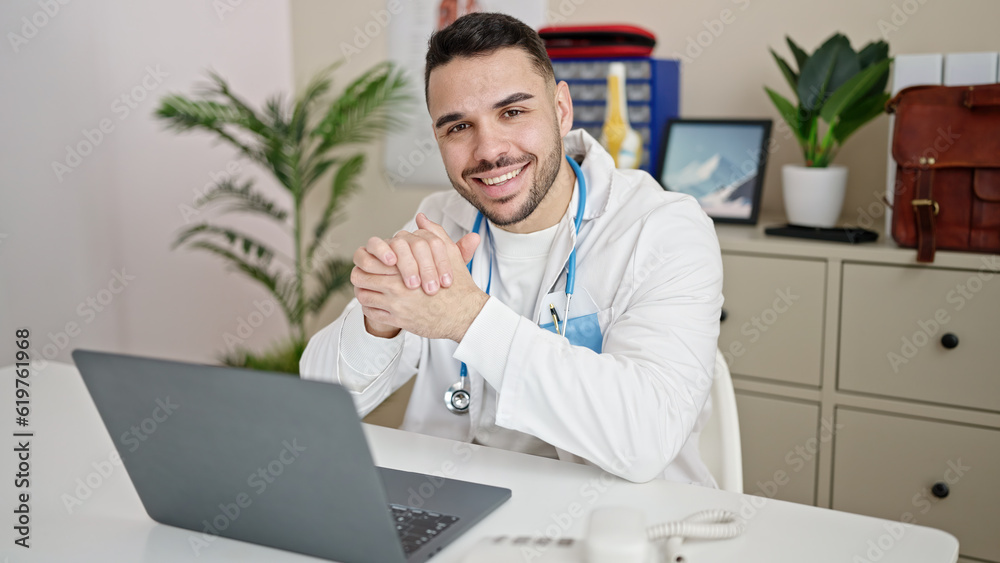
966 69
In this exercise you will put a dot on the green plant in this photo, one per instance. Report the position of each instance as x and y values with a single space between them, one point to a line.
843 88
298 143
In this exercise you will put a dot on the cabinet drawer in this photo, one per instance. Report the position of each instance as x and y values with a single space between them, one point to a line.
892 323
774 317
886 465
779 447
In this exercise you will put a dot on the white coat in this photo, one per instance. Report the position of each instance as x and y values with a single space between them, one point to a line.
650 261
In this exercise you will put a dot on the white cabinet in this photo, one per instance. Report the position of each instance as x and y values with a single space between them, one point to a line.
775 309
934 339
883 372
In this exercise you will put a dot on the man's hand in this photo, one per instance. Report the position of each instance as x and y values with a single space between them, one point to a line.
389 304
422 256
365 263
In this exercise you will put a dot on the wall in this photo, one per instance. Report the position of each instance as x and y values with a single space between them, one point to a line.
88 245
726 64
66 238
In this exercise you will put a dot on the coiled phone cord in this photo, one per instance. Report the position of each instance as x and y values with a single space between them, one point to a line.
707 525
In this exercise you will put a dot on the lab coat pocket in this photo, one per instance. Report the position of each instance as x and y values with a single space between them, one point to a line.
585 330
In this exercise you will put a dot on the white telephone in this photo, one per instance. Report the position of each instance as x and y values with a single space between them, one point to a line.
614 535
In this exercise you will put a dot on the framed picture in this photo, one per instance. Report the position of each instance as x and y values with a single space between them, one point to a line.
720 162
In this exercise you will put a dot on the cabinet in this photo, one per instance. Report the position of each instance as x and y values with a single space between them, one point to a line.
920 471
934 341
867 382
652 91
775 310
781 440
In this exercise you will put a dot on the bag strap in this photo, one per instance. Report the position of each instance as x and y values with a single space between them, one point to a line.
925 209
982 97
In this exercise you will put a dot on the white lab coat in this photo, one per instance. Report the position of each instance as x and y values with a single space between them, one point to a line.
650 261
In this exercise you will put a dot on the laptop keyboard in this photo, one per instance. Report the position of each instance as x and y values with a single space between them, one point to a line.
416 527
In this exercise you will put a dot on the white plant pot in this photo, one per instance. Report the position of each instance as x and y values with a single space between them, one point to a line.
813 196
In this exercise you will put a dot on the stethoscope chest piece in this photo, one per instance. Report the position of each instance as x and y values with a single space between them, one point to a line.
457 397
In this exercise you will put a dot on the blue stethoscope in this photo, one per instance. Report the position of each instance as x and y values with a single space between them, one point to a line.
457 398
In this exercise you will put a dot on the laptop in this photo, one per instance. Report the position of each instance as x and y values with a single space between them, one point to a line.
270 459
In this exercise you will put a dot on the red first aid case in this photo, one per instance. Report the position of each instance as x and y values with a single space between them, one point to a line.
597 41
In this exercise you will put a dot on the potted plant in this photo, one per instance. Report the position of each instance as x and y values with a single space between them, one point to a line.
299 143
838 90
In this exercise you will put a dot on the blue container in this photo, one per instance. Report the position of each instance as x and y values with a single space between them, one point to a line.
652 89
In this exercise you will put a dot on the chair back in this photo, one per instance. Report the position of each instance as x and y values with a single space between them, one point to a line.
719 443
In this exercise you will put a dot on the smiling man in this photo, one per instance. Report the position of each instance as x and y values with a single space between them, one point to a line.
549 304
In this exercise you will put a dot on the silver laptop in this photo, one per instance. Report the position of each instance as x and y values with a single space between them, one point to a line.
270 459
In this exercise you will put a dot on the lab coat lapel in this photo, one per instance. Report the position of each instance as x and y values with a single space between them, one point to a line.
562 247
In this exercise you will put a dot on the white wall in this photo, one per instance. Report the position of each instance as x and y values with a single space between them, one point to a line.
63 239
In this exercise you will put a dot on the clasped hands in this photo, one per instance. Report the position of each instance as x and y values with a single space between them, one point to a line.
418 282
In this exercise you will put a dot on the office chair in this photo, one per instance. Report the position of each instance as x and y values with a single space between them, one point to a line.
720 438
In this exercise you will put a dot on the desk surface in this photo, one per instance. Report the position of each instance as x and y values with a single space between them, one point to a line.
85 509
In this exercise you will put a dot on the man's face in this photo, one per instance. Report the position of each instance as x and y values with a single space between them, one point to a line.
499 125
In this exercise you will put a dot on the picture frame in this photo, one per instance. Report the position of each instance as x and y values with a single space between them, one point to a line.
719 162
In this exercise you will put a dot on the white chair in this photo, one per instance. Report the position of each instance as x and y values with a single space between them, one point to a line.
720 438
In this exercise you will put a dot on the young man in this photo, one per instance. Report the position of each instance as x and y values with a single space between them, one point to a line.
623 384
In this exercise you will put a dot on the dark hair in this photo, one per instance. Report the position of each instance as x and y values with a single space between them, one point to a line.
480 34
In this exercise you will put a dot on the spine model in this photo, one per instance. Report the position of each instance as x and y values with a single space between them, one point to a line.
617 136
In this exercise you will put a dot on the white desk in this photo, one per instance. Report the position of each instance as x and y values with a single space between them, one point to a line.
111 525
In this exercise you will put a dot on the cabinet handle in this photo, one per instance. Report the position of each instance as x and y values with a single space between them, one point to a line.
723 316
940 490
949 340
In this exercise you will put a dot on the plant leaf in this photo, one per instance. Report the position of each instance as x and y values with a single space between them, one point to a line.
234 238
788 112
790 76
874 53
859 114
829 67
318 169
365 109
853 90
332 275
281 357
183 114
249 118
243 198
845 66
800 56
274 112
316 89
272 281
344 183
272 153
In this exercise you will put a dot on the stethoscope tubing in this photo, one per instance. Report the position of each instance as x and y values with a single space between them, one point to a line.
581 206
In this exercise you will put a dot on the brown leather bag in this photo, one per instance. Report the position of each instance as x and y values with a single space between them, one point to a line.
946 145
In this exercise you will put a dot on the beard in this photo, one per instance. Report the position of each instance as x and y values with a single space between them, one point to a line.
545 174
